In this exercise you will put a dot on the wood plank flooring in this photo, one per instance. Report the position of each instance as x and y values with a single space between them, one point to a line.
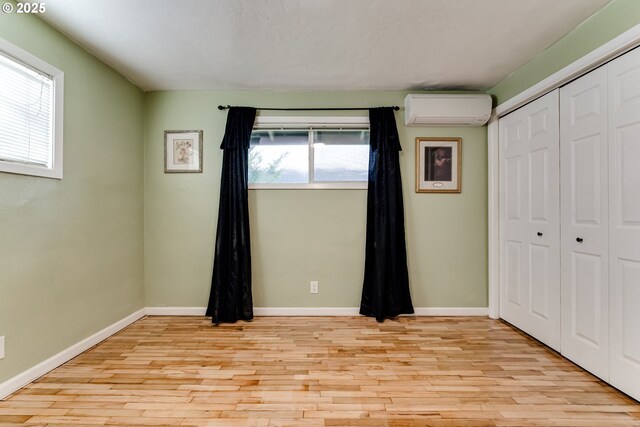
320 371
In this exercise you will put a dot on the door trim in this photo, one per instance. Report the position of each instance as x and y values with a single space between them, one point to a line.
601 55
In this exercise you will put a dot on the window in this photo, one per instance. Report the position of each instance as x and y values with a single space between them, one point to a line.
309 152
30 114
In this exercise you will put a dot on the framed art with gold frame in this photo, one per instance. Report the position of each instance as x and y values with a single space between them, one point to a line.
438 165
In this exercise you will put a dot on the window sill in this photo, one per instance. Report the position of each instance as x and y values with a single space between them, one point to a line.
32 170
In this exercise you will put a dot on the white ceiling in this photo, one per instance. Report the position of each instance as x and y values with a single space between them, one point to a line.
317 44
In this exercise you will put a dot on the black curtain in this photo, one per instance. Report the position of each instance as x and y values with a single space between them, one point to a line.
230 299
385 292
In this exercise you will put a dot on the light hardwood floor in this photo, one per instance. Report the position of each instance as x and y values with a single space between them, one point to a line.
320 371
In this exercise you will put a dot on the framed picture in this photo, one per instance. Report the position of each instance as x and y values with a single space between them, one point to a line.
438 165
182 151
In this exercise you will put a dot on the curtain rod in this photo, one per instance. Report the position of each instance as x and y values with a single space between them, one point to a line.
226 107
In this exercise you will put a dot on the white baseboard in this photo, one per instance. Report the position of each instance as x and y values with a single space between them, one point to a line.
16 383
317 311
175 311
451 311
306 311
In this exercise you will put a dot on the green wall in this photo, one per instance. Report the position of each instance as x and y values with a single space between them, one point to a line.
611 21
303 235
71 250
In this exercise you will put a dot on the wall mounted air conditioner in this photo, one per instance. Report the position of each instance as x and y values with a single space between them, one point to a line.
447 110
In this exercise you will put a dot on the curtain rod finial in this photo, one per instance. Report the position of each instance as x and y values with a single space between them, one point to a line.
222 107
396 108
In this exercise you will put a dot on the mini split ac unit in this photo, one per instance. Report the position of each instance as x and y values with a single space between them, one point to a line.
447 110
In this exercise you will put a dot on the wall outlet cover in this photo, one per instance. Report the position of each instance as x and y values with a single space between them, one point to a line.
1 347
313 287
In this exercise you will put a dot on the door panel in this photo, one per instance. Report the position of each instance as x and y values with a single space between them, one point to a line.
530 229
630 293
513 263
587 179
584 212
539 273
624 225
629 154
539 182
587 298
513 189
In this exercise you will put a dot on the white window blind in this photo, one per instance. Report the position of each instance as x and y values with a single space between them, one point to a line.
26 114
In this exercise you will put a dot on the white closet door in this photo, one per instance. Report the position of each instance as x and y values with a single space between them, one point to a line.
529 223
624 240
585 222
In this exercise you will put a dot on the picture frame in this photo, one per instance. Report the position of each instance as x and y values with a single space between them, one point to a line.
438 165
183 151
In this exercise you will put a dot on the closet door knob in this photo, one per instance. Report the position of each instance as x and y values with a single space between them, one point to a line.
579 240
539 234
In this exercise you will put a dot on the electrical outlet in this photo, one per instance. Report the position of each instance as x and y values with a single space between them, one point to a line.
1 347
313 288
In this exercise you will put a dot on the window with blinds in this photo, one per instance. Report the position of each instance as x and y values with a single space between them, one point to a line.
31 103
26 125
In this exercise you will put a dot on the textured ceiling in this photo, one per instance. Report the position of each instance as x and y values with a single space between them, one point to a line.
317 44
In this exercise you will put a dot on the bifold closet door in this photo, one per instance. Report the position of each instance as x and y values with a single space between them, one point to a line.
584 222
624 230
529 219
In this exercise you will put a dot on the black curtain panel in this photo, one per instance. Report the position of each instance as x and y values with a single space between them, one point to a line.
230 299
385 292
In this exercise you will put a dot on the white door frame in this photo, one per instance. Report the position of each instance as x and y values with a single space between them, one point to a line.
608 51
